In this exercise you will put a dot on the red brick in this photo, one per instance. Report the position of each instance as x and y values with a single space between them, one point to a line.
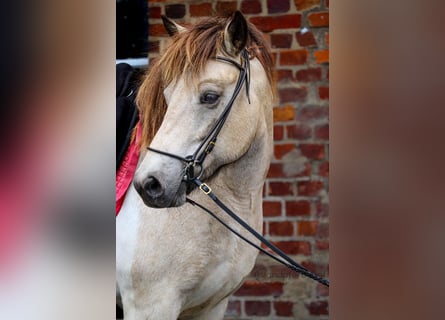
327 3
233 309
322 56
283 308
274 58
319 19
251 6
256 288
309 75
306 39
281 228
281 149
307 171
282 272
226 7
271 208
270 23
323 231
257 308
154 12
299 132
322 290
322 244
281 40
323 93
312 151
323 169
157 30
309 188
280 189
175 11
278 132
322 132
321 209
306 4
278 6
153 46
284 113
309 114
317 268
292 94
200 9
275 170
284 75
307 228
293 57
318 308
295 247
298 208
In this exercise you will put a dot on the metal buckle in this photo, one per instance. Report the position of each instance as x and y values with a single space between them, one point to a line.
192 171
205 188
210 147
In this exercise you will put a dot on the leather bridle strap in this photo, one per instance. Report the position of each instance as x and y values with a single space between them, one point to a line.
212 136
283 258
208 143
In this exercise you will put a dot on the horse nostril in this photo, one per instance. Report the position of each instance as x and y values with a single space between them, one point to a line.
153 187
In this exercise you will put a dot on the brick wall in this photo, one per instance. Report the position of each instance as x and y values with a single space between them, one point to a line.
296 190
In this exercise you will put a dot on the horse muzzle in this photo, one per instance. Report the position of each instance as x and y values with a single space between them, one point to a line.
157 193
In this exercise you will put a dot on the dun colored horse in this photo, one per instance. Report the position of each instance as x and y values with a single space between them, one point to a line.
173 260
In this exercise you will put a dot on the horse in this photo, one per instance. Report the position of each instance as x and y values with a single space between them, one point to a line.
173 260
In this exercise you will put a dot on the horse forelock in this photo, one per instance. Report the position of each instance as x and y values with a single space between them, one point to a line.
188 54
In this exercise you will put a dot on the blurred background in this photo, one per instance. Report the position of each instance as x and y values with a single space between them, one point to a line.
57 224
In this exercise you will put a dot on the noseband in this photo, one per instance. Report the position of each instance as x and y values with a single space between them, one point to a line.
194 162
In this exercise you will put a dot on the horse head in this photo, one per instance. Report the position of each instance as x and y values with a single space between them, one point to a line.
186 94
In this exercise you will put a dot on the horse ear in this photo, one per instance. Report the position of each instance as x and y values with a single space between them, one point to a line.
171 26
235 34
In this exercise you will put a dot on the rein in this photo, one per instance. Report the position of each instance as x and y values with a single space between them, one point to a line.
284 259
194 168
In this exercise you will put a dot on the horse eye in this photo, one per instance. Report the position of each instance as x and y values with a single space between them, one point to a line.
209 98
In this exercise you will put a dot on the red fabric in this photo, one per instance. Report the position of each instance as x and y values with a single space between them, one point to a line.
126 171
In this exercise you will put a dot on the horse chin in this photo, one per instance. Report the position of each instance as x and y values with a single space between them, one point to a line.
180 197
190 187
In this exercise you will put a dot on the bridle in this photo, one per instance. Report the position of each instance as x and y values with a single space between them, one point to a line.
194 167
194 162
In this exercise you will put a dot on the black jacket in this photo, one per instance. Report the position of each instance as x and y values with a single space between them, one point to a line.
126 111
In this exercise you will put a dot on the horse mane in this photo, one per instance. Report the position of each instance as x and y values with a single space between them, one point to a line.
188 53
